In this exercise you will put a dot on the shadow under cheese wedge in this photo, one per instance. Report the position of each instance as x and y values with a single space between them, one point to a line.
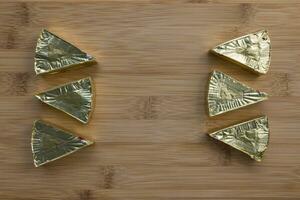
74 98
53 54
49 143
227 94
250 137
252 51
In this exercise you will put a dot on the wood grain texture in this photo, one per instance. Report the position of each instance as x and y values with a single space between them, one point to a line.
150 119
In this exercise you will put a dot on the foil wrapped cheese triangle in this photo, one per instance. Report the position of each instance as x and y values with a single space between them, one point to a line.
226 94
49 143
53 54
250 137
251 51
74 99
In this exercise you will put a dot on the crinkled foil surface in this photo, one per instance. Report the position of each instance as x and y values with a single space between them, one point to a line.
226 94
74 98
250 137
49 143
53 54
252 50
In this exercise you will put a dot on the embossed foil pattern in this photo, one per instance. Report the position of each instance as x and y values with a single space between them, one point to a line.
252 50
250 137
53 54
50 143
226 94
75 99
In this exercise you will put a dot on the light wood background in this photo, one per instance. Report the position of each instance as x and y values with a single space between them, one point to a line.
150 121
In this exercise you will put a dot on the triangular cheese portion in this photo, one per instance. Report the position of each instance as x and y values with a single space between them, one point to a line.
252 51
49 143
53 54
226 94
250 137
75 98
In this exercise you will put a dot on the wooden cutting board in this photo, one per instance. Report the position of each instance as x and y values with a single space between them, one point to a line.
150 123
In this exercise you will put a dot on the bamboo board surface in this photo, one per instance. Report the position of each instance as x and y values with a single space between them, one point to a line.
150 119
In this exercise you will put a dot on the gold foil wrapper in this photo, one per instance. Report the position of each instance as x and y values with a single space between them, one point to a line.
50 143
53 54
227 94
252 51
74 99
250 137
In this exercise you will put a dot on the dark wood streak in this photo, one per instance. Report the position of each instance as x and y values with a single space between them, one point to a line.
145 107
279 85
149 111
287 82
108 173
226 158
198 1
11 37
223 151
14 84
21 83
85 195
24 13
247 13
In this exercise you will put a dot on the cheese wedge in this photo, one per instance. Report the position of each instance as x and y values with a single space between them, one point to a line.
49 143
227 94
53 54
252 51
250 137
74 99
